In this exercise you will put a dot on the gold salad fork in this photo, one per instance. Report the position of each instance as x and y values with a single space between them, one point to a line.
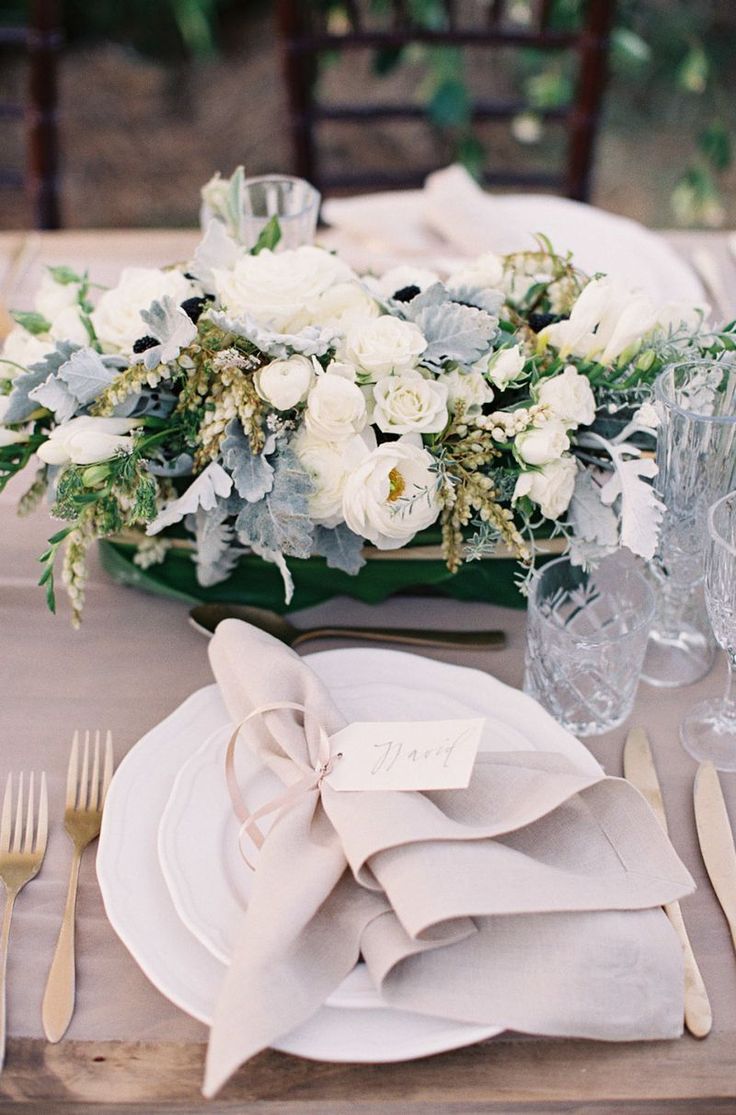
85 798
22 848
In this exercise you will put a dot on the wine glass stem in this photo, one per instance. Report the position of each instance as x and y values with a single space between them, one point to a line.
729 697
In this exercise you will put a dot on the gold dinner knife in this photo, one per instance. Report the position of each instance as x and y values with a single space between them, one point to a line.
716 840
640 770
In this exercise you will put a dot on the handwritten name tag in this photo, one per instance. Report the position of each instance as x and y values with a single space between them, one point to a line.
403 755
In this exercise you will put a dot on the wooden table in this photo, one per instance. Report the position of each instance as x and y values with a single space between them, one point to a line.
505 1075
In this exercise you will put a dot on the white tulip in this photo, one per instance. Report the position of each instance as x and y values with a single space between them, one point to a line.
387 345
335 409
410 404
117 318
550 487
569 397
86 440
468 388
541 444
285 383
392 494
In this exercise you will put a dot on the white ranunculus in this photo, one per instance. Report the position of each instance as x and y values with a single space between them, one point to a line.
285 383
410 404
607 319
469 388
485 271
550 487
117 317
569 397
403 277
385 346
68 326
278 288
392 494
335 409
503 367
52 297
339 307
541 444
21 349
329 463
9 437
86 440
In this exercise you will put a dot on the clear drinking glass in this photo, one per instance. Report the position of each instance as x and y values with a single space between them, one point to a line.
293 200
709 729
696 459
586 637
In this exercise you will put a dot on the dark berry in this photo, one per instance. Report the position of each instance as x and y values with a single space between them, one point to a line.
407 293
144 343
538 322
193 307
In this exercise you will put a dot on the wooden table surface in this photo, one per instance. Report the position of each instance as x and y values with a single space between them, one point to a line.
524 1075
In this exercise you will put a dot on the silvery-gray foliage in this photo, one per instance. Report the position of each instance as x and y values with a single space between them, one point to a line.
87 374
279 523
181 465
482 298
341 548
21 405
217 554
203 492
313 340
158 403
594 525
56 397
171 326
252 473
453 332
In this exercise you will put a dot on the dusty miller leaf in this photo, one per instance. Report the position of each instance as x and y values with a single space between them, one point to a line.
171 326
341 548
87 374
314 340
279 523
56 397
595 524
640 509
252 472
202 492
217 554
453 332
21 406
482 298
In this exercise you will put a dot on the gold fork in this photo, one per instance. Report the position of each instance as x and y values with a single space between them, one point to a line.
22 848
85 797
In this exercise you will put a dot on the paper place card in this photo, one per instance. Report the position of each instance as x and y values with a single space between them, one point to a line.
405 755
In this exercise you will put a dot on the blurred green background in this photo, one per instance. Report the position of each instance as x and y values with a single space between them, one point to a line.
155 96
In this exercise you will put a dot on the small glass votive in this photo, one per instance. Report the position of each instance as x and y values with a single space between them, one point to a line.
586 637
293 200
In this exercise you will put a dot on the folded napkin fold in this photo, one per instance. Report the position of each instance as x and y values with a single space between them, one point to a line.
528 900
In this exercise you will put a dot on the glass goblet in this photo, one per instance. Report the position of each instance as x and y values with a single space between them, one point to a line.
709 729
294 201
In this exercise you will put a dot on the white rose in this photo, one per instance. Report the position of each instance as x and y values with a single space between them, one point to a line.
9 437
410 404
86 440
401 278
277 288
503 367
338 308
469 388
550 487
329 464
384 346
68 326
485 271
340 368
117 318
335 408
392 494
285 383
541 444
569 397
52 297
21 349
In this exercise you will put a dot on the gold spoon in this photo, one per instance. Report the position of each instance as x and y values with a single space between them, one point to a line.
205 618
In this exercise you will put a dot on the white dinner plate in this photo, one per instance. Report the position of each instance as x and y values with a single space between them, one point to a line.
140 908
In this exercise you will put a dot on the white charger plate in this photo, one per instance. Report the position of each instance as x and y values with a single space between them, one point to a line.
142 913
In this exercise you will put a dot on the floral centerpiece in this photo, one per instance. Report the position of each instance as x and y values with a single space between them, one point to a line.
275 407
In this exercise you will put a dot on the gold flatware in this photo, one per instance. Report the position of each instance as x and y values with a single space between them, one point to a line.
716 840
205 618
22 848
640 770
85 798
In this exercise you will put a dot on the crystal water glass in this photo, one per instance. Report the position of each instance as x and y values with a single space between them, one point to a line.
586 636
709 729
293 200
696 459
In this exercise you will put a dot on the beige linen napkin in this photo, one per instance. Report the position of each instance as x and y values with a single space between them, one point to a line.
529 900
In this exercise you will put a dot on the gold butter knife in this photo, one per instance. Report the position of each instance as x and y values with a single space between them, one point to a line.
716 840
640 770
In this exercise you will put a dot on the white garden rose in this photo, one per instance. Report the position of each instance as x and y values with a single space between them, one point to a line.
68 326
279 288
328 464
340 368
541 444
21 349
410 404
485 271
335 409
385 346
53 297
285 383
117 317
392 494
569 397
503 367
87 440
341 306
468 388
550 487
607 320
